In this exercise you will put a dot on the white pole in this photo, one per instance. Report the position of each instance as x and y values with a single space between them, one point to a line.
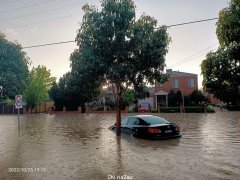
18 121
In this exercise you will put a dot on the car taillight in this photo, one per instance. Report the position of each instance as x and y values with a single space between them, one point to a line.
177 127
154 130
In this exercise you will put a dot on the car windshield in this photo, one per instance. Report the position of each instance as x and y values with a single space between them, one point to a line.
154 120
144 105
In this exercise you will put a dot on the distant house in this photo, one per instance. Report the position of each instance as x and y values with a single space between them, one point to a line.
182 81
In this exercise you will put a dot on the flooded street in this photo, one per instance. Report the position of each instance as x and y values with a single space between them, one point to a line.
82 147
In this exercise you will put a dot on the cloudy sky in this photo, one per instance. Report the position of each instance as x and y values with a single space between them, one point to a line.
34 22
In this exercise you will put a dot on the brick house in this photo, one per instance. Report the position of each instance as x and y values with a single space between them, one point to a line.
185 82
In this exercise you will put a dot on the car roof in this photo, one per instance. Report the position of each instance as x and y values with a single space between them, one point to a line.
142 116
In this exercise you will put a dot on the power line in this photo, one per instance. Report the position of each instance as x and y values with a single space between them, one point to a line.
64 42
44 21
192 22
174 25
42 12
23 7
191 57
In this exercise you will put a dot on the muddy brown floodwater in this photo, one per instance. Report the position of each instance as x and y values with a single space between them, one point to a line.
82 147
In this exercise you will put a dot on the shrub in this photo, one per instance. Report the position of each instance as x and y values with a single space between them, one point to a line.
154 110
233 108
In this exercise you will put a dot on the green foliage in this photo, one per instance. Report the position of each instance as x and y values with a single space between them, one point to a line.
233 108
210 109
154 110
170 110
197 97
130 97
13 68
73 91
221 69
228 26
39 83
174 98
134 110
119 50
194 109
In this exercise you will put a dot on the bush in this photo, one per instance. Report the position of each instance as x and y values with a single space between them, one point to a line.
133 110
194 110
170 110
233 108
154 110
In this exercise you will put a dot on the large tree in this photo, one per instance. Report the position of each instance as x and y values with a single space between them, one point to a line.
221 69
38 85
73 89
117 49
13 68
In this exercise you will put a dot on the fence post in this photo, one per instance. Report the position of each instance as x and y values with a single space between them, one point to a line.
79 109
64 108
181 108
205 108
126 109
158 108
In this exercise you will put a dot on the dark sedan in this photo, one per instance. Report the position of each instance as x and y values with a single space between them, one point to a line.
148 126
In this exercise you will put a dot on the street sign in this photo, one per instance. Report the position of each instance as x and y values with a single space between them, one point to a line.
18 103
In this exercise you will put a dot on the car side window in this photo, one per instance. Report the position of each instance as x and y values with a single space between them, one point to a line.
124 121
142 122
133 121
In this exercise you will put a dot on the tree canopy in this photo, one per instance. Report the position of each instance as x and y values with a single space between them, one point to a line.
117 49
221 69
13 68
73 90
38 85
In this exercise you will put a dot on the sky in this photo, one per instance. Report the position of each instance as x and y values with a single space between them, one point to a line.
34 22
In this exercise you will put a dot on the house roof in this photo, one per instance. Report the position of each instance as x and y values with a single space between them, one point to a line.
161 93
179 74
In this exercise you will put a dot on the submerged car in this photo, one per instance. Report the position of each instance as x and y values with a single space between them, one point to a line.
149 126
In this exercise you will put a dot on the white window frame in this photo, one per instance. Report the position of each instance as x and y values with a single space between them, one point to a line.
191 83
175 83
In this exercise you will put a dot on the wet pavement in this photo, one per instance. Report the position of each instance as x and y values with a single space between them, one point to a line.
82 147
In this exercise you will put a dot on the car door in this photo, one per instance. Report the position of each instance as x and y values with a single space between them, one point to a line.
132 123
124 124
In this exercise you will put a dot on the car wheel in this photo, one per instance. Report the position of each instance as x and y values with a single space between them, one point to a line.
135 132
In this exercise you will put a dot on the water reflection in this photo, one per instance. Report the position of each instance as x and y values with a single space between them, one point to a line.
82 147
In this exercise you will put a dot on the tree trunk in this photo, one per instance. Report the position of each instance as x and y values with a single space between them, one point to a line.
118 113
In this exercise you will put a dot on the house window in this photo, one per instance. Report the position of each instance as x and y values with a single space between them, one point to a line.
175 84
191 83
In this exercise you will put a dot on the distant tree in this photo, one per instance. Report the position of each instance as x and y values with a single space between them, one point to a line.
13 68
197 97
221 69
73 90
38 85
117 49
174 98
57 94
130 96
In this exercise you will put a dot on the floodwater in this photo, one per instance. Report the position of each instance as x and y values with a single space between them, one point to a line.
82 147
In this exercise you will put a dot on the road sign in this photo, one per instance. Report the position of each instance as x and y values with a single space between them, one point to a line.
18 103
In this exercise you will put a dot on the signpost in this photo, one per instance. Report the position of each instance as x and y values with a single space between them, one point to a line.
18 105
